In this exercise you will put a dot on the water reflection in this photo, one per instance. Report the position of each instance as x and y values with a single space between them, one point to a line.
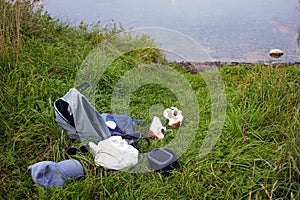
230 30
298 38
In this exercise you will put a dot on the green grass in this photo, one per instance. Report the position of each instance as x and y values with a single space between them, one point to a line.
257 155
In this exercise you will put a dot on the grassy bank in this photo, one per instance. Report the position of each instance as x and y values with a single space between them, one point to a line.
256 157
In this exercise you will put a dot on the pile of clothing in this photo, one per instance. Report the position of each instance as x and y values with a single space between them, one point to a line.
110 138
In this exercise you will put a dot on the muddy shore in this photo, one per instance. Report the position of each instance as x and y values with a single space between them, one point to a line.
195 67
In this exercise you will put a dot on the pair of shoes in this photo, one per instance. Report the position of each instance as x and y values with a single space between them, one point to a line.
174 116
156 130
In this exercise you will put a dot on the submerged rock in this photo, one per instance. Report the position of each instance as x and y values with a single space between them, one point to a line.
276 53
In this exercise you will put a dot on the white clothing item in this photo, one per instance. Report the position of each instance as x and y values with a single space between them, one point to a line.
111 124
114 153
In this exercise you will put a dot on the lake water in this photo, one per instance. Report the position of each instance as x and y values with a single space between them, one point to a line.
229 30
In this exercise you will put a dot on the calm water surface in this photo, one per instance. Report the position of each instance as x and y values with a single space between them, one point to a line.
229 30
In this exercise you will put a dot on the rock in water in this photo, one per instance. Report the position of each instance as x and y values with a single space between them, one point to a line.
276 53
